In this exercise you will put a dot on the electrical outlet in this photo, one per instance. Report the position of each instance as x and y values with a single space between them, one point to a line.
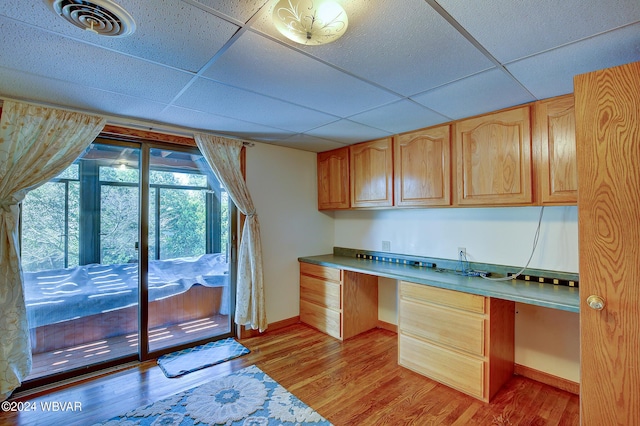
462 252
386 246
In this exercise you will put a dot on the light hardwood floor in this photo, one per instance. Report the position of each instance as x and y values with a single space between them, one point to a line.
355 382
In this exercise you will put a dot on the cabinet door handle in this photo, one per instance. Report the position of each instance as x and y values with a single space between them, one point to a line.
595 302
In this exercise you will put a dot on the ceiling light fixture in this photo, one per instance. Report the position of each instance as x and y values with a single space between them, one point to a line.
310 22
102 17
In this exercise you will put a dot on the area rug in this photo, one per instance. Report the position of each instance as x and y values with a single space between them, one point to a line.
186 361
248 397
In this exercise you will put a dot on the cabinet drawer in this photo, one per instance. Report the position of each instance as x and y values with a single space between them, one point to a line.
443 326
321 271
441 296
465 373
323 293
325 320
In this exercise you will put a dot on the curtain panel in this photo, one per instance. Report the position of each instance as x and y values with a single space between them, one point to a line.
223 156
36 144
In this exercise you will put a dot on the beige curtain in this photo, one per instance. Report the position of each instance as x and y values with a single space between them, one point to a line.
36 144
223 156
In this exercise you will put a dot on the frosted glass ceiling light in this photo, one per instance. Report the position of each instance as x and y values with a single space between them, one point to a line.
310 22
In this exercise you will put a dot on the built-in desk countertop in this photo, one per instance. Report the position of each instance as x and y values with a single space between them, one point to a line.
548 295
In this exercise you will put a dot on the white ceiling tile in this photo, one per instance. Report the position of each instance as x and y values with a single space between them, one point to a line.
25 49
348 132
221 124
218 99
240 10
29 87
400 117
408 48
510 30
169 32
481 93
308 143
258 64
551 73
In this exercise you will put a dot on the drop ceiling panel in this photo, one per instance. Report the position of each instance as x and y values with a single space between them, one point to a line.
258 64
551 73
406 47
510 30
348 132
240 10
169 32
400 117
215 98
29 87
46 54
309 143
481 93
221 124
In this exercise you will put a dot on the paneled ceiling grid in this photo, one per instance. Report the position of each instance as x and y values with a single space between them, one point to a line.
220 66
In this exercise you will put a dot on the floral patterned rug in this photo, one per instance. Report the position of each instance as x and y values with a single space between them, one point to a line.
247 397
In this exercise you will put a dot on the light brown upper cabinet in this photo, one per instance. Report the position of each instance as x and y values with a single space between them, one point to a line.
555 145
422 168
493 154
371 169
333 179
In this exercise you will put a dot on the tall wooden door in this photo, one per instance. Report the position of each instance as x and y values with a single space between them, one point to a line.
608 154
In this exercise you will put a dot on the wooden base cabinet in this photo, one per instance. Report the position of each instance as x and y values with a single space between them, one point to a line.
339 303
462 340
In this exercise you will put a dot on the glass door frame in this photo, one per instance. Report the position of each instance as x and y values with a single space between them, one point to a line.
143 256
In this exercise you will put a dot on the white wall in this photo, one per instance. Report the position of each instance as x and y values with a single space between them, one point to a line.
282 182
501 236
546 339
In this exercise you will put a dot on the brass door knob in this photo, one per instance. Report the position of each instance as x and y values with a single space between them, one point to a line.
595 302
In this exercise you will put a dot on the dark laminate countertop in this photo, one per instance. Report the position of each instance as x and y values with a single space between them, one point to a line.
548 295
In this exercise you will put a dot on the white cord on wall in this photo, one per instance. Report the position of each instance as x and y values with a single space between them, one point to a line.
533 250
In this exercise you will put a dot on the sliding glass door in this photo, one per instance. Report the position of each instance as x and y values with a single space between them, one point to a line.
79 262
188 275
125 256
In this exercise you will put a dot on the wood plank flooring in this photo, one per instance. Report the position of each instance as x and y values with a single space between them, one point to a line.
356 382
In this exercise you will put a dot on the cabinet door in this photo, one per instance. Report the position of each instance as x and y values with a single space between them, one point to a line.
422 168
608 136
333 179
494 159
556 145
371 170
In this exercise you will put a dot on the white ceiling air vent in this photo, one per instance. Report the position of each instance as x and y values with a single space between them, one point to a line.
102 17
